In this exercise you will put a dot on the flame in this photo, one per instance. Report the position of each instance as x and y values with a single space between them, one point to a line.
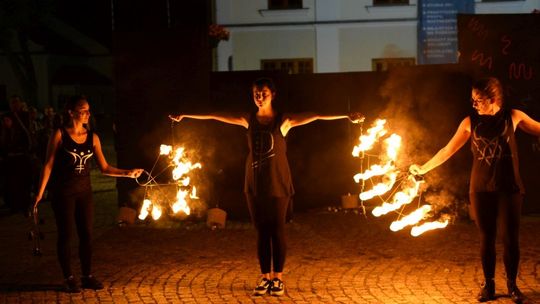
181 203
405 196
393 143
156 212
411 219
373 134
165 150
380 188
193 194
374 170
418 230
145 209
388 172
182 166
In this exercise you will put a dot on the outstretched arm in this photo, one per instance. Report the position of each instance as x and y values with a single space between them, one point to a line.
293 120
239 119
461 136
525 123
109 170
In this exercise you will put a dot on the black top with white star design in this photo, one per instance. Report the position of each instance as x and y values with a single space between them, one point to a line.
71 171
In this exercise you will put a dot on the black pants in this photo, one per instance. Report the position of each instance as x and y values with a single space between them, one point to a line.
70 209
268 215
505 207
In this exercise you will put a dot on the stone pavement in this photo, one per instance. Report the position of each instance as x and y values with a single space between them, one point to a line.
332 258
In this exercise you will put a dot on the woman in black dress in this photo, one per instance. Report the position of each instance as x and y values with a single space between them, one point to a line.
268 184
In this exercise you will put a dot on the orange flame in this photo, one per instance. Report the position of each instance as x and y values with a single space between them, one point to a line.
182 166
405 196
418 230
388 171
381 188
373 134
411 219
145 209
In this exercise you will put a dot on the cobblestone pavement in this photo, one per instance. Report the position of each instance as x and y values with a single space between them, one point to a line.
332 258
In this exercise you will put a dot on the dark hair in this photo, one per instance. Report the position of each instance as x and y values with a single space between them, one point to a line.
491 87
262 82
71 105
74 101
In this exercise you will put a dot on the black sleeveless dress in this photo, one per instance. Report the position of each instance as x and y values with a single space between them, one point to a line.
495 159
267 168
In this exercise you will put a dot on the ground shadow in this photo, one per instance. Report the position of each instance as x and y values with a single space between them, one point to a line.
30 287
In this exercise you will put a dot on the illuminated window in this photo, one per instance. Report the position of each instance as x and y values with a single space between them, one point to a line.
289 66
284 4
385 64
390 2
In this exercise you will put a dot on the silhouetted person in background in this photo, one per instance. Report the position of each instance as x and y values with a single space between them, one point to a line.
268 184
17 145
496 190
67 167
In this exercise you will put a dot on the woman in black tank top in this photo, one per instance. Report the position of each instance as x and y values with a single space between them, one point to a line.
495 185
67 167
268 184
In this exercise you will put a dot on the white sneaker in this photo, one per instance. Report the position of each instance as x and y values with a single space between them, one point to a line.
263 287
278 288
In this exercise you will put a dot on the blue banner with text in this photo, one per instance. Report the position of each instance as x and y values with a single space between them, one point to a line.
437 29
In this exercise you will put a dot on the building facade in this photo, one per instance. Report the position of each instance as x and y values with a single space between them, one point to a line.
323 36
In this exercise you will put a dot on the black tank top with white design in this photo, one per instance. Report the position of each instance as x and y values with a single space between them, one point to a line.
71 170
495 158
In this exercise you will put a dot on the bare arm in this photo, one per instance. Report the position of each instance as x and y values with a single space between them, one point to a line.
239 119
525 123
52 147
109 170
461 136
293 120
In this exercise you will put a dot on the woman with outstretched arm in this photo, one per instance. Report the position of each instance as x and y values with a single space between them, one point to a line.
268 184
495 186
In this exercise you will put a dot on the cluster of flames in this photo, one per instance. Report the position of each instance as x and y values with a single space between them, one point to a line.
182 166
388 173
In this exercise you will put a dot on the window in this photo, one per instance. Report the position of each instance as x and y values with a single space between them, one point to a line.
385 64
284 4
290 66
390 2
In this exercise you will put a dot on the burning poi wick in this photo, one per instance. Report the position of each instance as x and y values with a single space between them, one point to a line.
391 180
182 166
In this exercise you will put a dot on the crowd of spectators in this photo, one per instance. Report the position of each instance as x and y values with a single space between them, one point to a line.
24 134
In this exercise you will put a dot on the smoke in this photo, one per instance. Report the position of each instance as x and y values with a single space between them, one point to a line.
425 111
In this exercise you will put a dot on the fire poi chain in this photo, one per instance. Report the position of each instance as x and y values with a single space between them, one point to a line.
182 166
388 174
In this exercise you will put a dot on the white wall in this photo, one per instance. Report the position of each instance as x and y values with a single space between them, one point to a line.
359 44
340 35
250 46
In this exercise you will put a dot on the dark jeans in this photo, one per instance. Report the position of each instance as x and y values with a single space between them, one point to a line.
268 215
506 208
70 209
